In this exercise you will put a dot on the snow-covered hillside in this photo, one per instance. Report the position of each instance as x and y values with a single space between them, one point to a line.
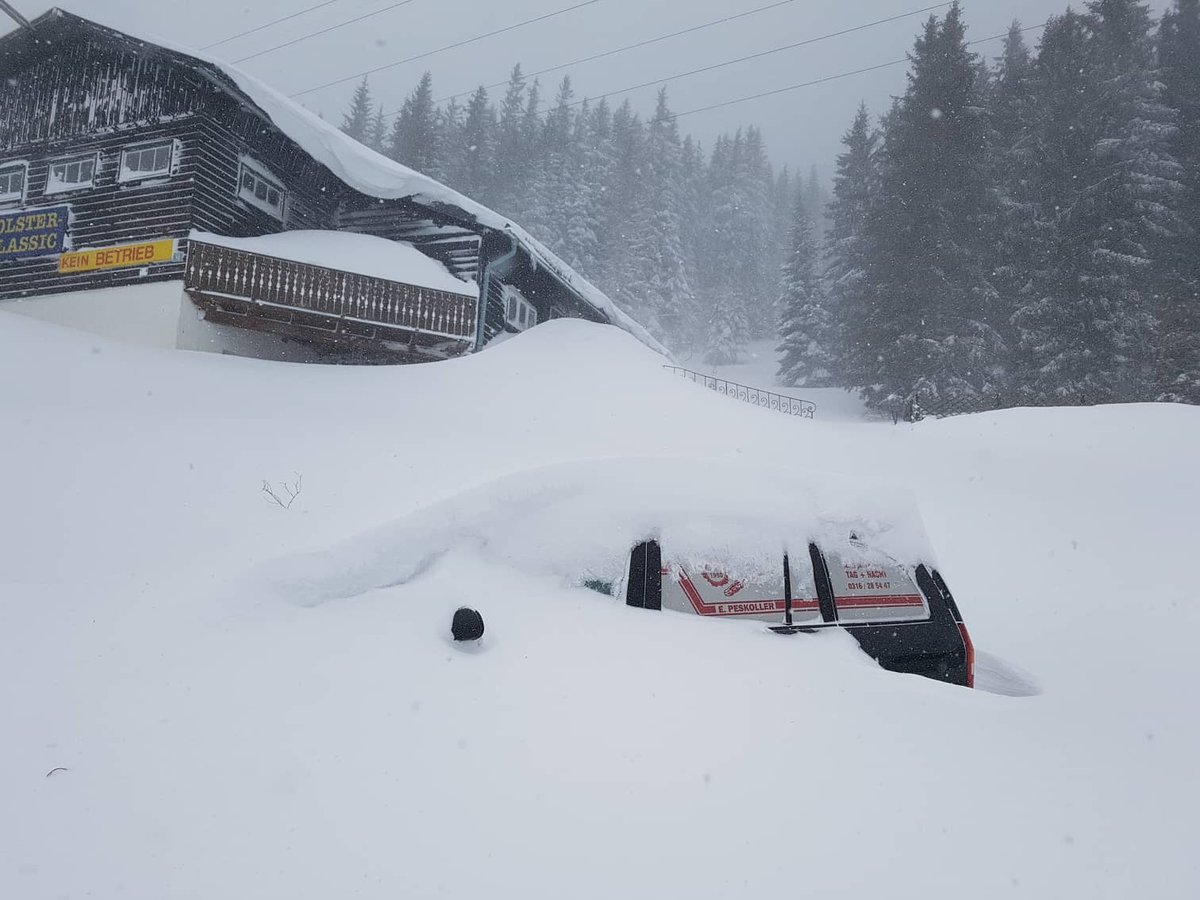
178 724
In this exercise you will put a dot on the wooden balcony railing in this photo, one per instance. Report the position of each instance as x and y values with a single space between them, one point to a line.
325 305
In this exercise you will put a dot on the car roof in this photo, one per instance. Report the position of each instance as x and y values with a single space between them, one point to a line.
580 519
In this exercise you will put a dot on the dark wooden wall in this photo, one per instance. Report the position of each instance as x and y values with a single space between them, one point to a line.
89 87
109 212
224 133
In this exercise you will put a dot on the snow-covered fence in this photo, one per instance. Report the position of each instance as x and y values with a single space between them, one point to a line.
752 395
278 291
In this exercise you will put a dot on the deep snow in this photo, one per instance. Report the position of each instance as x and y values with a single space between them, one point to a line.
216 740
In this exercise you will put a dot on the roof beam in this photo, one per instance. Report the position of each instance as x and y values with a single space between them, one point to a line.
7 7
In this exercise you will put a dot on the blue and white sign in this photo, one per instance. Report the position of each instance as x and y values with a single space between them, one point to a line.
33 232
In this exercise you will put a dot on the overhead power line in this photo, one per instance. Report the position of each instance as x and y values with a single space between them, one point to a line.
828 78
635 46
266 25
314 34
462 43
763 53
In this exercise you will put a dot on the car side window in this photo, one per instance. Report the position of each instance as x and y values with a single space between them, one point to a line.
870 587
743 589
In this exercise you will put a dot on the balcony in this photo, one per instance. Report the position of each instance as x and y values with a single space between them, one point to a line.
377 319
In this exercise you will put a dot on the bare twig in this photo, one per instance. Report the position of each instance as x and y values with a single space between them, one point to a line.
286 494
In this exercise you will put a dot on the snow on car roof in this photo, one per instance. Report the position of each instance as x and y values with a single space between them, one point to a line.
578 520
375 175
362 254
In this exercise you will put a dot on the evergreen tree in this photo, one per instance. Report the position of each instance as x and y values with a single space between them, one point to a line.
848 252
357 121
753 238
814 202
448 142
596 176
724 306
553 183
1109 193
377 134
1012 108
694 212
414 134
662 283
927 327
1179 55
805 326
620 199
512 154
477 166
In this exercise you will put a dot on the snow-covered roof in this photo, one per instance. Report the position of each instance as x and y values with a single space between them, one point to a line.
362 254
375 175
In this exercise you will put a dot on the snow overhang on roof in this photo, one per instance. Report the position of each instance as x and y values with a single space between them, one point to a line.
371 173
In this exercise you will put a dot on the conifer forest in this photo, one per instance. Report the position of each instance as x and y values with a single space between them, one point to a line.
1021 227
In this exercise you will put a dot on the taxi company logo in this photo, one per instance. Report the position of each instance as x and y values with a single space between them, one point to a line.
117 257
33 232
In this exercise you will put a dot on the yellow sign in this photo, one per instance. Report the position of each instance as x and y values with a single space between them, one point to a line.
117 257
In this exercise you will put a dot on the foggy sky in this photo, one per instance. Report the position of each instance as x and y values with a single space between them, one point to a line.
802 127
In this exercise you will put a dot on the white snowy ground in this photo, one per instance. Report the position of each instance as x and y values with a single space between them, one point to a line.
209 737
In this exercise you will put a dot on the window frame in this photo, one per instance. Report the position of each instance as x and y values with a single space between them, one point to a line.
125 175
248 167
94 158
19 197
525 315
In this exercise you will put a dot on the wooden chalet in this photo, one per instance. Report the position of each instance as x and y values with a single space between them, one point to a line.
124 162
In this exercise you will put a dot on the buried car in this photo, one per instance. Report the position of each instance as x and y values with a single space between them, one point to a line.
800 551
903 616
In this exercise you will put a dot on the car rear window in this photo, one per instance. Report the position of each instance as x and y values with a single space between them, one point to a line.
870 587
741 590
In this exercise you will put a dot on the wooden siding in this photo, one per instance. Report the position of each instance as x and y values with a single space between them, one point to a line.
225 133
88 87
455 247
109 212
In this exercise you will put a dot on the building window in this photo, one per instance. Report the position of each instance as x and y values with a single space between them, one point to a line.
12 182
261 190
150 161
518 312
71 175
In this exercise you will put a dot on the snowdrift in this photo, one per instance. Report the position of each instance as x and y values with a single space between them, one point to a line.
178 724
577 521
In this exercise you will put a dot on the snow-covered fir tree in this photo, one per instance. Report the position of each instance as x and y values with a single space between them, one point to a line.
1109 191
1179 61
1017 234
448 142
856 187
358 118
476 173
378 132
931 297
808 351
662 282
753 239
414 140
